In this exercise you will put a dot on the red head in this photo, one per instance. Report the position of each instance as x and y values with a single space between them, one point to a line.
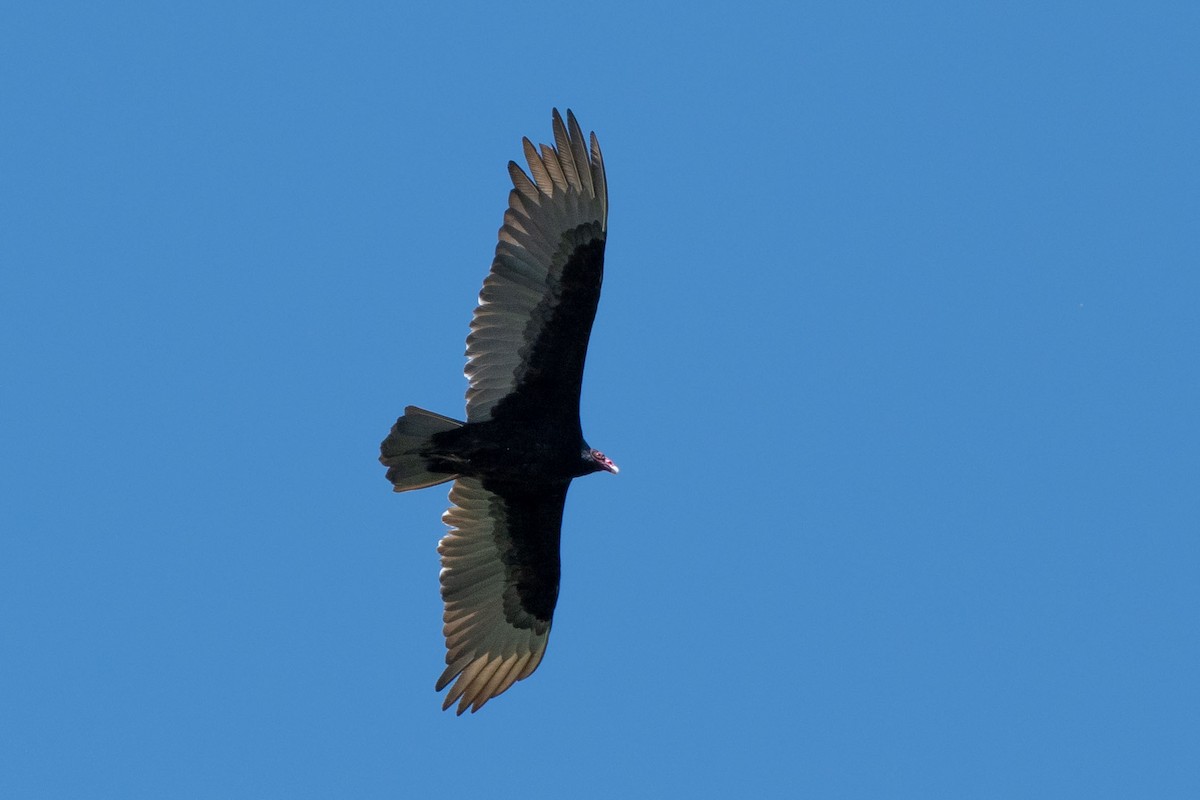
603 462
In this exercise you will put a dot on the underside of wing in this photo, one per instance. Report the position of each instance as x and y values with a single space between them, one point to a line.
500 572
537 304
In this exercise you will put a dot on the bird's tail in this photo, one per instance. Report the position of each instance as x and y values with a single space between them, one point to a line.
405 451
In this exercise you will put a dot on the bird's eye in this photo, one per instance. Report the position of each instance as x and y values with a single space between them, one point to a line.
596 454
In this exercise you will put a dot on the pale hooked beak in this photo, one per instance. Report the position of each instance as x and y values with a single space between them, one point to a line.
605 462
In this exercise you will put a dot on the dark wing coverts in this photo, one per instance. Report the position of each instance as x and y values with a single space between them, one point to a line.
500 571
530 331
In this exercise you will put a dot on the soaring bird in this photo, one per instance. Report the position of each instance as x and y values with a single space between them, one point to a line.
522 443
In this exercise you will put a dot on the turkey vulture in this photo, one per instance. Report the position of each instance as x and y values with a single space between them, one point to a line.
515 456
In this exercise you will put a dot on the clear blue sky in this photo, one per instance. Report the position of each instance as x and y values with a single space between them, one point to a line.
897 354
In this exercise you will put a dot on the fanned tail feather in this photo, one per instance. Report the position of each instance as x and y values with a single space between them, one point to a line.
404 451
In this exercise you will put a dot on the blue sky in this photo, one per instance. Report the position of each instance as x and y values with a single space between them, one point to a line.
897 353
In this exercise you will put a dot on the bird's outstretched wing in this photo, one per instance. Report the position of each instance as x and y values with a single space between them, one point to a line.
500 571
529 334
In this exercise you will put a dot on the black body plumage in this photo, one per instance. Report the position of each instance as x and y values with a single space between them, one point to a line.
514 458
